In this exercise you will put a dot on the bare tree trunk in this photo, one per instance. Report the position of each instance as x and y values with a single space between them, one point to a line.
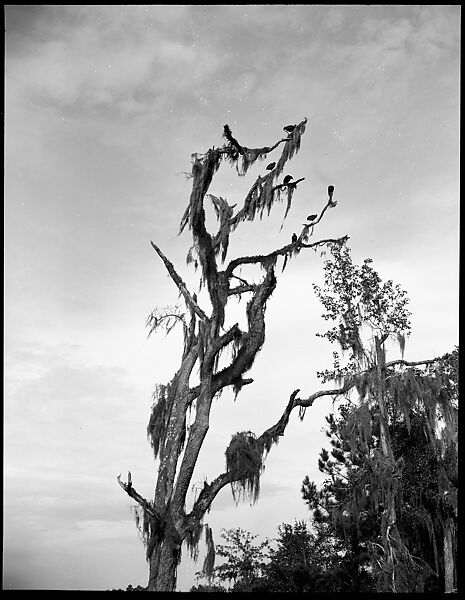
449 563
163 565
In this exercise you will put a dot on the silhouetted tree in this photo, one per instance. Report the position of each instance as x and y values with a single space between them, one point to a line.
179 419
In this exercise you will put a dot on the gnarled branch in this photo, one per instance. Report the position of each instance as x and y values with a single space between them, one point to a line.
180 284
130 491
264 258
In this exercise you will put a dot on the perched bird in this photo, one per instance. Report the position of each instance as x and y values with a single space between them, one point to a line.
330 190
311 217
289 128
294 238
287 179
271 166
228 135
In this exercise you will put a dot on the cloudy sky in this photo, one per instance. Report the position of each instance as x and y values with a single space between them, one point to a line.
104 106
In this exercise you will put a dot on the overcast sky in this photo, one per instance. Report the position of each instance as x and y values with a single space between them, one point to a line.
104 106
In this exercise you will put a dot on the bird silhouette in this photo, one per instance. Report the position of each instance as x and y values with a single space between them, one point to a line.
271 166
294 238
287 179
311 217
289 128
330 190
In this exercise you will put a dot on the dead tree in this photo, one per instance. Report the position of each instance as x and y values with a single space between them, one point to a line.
177 439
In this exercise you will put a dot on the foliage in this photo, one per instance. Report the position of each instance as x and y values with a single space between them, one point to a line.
364 497
353 498
245 561
138 588
208 588
355 299
303 561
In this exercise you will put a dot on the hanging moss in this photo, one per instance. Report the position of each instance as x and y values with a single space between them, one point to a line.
263 193
223 213
149 528
268 439
209 561
244 463
363 384
401 341
269 262
193 537
291 146
248 158
156 427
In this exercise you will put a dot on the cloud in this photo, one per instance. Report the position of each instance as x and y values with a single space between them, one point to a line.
69 430
335 19
74 420
119 58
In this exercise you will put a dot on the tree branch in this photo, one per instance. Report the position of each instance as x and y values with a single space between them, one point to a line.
240 279
406 363
277 430
227 338
287 185
253 339
264 258
240 289
130 491
243 149
232 140
180 284
208 494
304 403
353 380
209 491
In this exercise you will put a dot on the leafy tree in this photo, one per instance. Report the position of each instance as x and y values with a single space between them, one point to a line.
404 422
297 563
179 419
245 560
300 561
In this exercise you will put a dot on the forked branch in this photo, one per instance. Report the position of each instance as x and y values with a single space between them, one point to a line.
130 491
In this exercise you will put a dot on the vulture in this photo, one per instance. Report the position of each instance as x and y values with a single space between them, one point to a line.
287 179
289 128
271 166
294 238
311 217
